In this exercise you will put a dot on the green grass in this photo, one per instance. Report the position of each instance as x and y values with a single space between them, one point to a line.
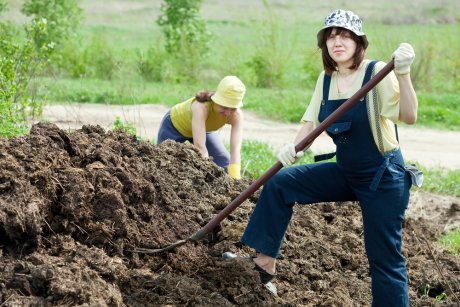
442 181
257 158
440 111
241 29
451 241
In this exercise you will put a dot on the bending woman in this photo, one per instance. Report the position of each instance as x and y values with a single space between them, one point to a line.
197 119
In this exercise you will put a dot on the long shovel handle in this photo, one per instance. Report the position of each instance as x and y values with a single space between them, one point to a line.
347 105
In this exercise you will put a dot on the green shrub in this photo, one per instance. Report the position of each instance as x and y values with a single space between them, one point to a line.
187 37
271 59
311 70
20 62
3 5
63 19
151 64
182 25
100 59
73 61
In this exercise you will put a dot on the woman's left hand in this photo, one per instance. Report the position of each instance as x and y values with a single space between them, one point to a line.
234 170
404 56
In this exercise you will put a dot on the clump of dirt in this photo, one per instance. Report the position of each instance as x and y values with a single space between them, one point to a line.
74 206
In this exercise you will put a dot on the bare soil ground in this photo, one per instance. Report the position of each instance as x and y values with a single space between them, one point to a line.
73 206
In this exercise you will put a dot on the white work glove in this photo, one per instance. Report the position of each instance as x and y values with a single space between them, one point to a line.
287 155
404 56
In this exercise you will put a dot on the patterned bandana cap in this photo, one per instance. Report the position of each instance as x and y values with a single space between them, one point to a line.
343 19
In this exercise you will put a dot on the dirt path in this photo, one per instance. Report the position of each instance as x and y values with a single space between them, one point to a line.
429 147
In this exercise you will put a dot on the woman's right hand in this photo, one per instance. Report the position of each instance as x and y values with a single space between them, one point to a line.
288 156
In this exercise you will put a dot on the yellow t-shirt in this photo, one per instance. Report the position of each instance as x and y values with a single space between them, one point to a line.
387 102
181 117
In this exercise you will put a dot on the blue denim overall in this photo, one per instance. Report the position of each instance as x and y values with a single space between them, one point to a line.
379 182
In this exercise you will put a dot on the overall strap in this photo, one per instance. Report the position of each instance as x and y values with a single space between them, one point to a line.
369 71
373 99
376 112
326 85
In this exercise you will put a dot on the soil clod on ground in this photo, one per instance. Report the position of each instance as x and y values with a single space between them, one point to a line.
74 205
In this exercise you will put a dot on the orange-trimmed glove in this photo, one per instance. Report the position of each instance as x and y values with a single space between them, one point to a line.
234 170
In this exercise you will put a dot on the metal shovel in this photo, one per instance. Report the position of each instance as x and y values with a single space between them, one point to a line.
347 105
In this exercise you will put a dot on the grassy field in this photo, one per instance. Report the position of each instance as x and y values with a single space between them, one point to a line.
114 33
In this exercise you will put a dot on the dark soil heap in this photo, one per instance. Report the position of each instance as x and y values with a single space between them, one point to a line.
73 206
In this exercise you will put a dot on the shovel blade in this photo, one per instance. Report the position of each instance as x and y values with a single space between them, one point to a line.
159 250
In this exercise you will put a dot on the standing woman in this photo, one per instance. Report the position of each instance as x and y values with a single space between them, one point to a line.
197 119
369 165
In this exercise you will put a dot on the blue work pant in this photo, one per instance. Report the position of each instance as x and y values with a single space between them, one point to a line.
382 212
214 145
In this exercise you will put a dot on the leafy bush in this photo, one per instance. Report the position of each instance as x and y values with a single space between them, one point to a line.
182 25
151 64
187 38
270 60
63 20
100 59
3 5
20 62
73 60
63 17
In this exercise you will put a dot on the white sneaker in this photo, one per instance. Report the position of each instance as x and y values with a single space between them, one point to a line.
272 288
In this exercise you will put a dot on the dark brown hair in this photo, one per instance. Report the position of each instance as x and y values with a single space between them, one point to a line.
204 96
328 63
